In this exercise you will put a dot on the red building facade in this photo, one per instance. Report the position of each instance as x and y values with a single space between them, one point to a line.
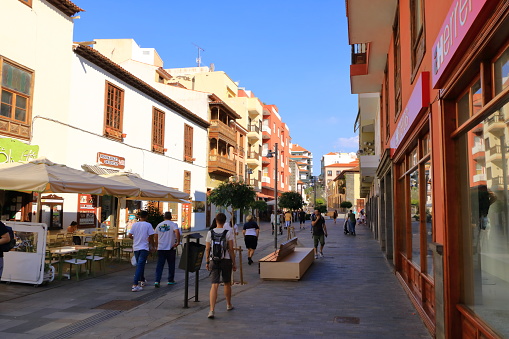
440 204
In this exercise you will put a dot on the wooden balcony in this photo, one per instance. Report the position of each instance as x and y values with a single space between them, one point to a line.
221 165
220 130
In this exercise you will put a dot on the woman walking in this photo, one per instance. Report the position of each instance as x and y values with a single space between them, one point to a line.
251 232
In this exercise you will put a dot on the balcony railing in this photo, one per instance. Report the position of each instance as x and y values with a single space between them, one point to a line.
495 118
220 129
219 163
359 54
253 155
254 182
254 128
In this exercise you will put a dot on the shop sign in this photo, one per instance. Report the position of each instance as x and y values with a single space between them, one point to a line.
418 100
457 23
86 209
12 150
110 160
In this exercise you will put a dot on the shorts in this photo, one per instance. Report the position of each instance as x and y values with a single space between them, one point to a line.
318 238
224 270
251 241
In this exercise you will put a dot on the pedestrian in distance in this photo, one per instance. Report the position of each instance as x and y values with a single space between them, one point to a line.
288 219
221 244
251 233
335 215
5 238
351 222
302 219
319 233
142 234
167 238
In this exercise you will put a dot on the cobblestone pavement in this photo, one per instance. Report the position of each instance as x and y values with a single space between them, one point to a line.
350 293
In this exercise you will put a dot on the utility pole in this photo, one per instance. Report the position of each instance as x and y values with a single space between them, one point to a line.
198 59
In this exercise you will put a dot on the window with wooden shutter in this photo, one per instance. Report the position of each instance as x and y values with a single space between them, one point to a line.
397 67
16 99
157 130
188 143
113 111
187 182
417 34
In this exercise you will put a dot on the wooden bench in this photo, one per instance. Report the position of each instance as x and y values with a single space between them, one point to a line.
289 262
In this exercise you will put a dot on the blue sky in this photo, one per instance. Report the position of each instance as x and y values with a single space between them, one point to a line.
293 54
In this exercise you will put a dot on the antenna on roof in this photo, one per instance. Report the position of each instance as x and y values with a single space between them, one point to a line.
198 59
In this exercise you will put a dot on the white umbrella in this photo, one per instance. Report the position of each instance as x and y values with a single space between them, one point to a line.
148 190
44 176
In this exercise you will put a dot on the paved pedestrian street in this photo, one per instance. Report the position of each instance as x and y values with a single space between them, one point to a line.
350 293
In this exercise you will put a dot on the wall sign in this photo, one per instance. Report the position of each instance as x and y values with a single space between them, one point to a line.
110 160
12 150
417 102
457 23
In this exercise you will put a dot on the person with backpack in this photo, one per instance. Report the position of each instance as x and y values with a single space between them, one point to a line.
5 240
220 262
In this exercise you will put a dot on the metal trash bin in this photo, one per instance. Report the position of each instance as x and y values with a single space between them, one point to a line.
194 252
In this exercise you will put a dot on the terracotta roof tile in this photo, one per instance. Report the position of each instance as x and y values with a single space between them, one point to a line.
66 7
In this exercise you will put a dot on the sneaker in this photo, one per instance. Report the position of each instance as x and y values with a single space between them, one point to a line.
211 315
229 307
316 256
156 284
321 255
136 288
143 283
171 282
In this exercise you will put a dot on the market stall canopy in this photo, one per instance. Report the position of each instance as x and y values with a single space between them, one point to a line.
44 176
148 190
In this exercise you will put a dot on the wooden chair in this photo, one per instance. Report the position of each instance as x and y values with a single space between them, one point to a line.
78 259
96 256
112 248
68 241
126 248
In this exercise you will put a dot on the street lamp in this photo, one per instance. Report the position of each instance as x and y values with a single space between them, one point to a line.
271 154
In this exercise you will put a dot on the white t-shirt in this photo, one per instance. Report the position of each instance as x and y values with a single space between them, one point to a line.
229 236
166 235
141 230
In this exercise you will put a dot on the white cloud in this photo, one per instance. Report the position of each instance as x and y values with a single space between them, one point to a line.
347 144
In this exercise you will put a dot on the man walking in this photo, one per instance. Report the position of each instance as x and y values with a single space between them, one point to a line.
222 267
142 234
302 219
167 238
319 233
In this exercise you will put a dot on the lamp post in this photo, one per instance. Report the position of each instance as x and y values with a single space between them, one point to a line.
271 154
313 178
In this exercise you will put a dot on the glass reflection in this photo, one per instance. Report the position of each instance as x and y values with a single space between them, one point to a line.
486 233
429 218
415 222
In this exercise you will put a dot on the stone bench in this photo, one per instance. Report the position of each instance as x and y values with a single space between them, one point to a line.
289 262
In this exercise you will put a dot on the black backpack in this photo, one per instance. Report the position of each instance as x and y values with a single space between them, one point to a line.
219 245
11 244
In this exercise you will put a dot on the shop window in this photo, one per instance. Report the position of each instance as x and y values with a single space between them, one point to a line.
188 143
469 103
415 216
16 89
157 130
429 215
485 219
501 70
417 34
113 111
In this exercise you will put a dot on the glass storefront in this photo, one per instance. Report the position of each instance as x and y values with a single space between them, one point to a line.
484 147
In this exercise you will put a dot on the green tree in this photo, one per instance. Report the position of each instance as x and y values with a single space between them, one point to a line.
233 194
154 214
345 205
291 200
258 206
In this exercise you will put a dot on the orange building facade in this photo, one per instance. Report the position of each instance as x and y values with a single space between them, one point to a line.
275 131
440 203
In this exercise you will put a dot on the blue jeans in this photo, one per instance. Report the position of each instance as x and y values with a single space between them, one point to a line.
351 226
141 259
162 257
